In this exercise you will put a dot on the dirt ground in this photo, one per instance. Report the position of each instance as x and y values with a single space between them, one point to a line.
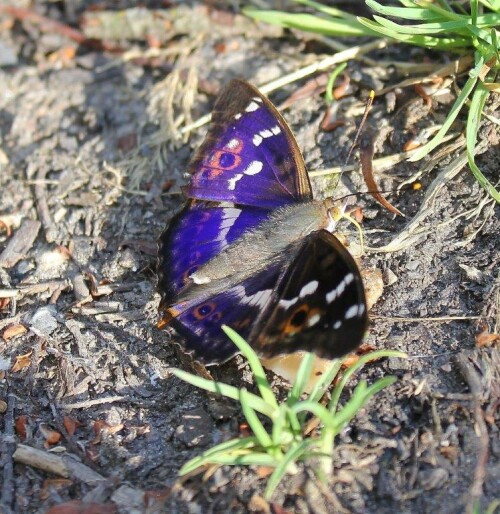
91 164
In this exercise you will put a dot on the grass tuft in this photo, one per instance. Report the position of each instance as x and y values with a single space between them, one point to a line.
467 28
286 443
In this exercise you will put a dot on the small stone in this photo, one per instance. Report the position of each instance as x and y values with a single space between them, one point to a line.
433 478
389 277
44 321
194 428
446 367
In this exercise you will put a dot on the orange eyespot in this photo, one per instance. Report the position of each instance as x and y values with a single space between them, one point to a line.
301 317
223 161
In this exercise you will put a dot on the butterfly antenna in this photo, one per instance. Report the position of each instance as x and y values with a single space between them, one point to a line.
341 212
368 106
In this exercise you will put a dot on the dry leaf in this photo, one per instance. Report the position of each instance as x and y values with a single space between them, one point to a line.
80 507
20 426
51 436
70 424
54 484
13 331
22 361
485 339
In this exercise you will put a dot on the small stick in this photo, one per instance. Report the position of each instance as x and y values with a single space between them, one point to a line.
474 382
48 25
64 466
19 244
43 208
7 462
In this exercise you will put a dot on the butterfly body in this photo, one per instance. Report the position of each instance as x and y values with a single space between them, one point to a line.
252 249
261 247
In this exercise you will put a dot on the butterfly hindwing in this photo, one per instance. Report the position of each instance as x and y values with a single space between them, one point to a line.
249 155
320 303
199 322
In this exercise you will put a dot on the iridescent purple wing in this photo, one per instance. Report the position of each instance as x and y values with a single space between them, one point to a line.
199 322
195 235
320 304
249 156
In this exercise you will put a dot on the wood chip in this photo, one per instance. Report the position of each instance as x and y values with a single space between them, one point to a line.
20 244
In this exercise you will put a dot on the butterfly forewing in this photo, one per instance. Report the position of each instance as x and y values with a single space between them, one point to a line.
320 303
249 155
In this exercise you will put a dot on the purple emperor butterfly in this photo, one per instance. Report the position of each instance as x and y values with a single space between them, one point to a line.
251 248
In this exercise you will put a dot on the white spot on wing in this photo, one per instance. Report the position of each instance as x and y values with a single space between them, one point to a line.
233 143
257 140
257 99
309 288
237 116
337 325
334 293
259 299
351 312
251 107
288 303
229 217
313 320
265 133
253 168
276 130
232 181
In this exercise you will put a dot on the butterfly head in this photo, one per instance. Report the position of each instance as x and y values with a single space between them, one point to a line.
336 211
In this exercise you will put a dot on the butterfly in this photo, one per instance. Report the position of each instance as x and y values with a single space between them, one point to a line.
252 249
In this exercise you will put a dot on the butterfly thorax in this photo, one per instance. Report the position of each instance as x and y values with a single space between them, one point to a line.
267 244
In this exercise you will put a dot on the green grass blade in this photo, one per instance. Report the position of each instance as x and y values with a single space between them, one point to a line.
303 376
234 446
249 459
325 381
293 455
433 43
458 27
253 420
457 106
257 370
331 81
407 13
322 413
360 396
337 390
310 23
475 110
330 11
227 390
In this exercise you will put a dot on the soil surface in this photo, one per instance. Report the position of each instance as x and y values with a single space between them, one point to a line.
92 158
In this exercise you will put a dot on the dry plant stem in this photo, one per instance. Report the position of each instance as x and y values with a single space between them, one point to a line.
474 382
7 463
379 165
43 208
61 465
344 55
410 234
439 319
91 403
453 68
